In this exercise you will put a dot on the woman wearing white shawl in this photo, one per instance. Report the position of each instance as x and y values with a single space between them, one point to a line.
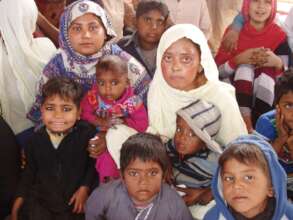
164 101
22 59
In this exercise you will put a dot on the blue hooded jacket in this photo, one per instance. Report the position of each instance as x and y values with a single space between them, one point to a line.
283 209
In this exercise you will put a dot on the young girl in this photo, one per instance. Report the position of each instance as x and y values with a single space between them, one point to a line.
85 32
185 72
22 59
255 63
112 101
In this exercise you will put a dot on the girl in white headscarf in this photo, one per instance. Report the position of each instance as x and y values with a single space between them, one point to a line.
22 59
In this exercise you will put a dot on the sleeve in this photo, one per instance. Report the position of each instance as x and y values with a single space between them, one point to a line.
95 207
28 175
138 119
180 210
265 127
205 21
284 52
87 111
238 22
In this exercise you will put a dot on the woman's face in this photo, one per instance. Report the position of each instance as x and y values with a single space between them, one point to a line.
87 34
181 65
259 11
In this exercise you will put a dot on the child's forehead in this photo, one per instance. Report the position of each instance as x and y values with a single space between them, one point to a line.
109 74
141 164
234 165
59 99
151 12
86 18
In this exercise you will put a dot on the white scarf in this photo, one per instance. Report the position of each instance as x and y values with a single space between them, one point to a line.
164 101
22 59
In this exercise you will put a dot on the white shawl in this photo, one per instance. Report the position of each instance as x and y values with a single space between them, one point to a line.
22 59
164 101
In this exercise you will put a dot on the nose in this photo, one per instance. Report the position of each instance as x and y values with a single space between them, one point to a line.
58 114
175 64
154 25
143 179
238 185
86 33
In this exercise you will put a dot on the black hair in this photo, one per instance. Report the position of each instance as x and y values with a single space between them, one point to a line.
284 85
146 147
113 64
144 6
64 87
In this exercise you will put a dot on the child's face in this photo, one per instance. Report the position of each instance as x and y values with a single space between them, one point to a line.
150 27
286 108
245 188
181 65
87 34
259 11
186 141
59 115
111 86
143 180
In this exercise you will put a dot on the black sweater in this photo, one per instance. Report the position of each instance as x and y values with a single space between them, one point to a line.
51 176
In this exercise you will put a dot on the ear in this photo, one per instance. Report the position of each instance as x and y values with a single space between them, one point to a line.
271 192
200 70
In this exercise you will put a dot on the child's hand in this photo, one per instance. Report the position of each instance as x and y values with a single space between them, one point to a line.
103 123
282 130
192 196
78 199
206 197
230 40
97 145
259 57
273 60
246 57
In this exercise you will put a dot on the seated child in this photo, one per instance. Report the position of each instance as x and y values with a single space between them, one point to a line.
249 183
112 101
141 193
194 154
277 126
261 55
59 174
151 22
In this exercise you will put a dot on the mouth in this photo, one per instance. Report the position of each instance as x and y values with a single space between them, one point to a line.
239 198
86 44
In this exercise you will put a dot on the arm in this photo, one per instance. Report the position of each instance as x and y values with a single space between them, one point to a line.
49 29
138 119
87 110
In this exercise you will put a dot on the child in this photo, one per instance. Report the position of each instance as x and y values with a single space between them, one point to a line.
194 154
59 174
249 183
112 101
151 22
187 72
141 193
261 55
276 125
85 34
22 59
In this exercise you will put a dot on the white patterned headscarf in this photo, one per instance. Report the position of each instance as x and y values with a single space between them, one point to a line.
22 59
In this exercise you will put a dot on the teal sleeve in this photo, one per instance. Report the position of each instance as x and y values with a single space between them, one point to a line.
238 22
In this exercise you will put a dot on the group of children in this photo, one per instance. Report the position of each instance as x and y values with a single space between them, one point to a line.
93 96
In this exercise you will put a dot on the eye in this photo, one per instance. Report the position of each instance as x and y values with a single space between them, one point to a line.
93 27
114 83
49 108
186 59
248 178
178 130
133 173
289 106
100 83
76 28
153 173
228 179
67 109
160 22
191 134
167 58
147 20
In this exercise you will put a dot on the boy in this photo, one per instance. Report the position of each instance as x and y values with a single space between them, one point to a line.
194 154
141 193
151 22
250 183
59 173
277 125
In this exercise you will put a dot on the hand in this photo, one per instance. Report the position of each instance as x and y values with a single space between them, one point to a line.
192 196
97 145
230 40
103 123
16 206
246 57
78 199
273 60
259 57
206 197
